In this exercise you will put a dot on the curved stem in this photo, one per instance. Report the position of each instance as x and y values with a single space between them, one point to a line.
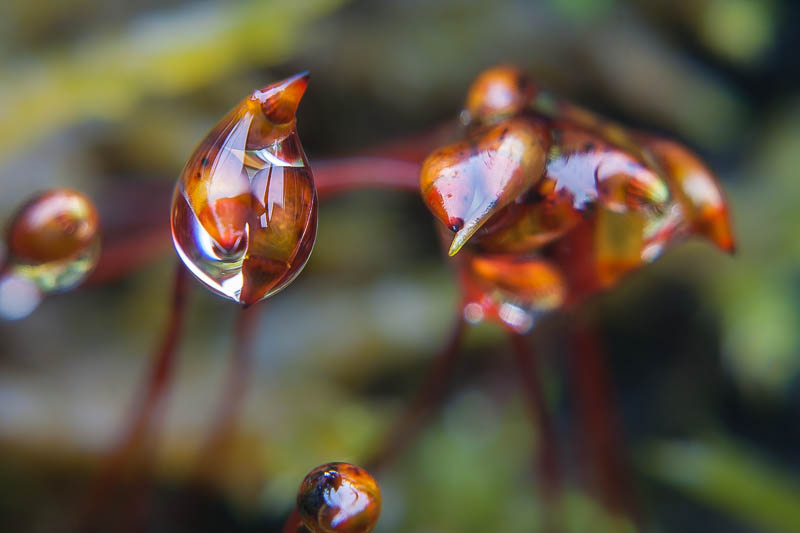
333 176
408 426
293 523
599 419
223 424
132 238
548 467
127 453
426 400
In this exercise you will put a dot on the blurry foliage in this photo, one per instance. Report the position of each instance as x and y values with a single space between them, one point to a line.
94 93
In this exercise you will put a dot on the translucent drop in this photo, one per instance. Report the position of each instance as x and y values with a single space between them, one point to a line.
339 497
54 240
244 211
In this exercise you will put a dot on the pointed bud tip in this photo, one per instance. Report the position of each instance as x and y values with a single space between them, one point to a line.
458 242
279 100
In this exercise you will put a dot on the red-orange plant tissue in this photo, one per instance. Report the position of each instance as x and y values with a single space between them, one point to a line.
551 203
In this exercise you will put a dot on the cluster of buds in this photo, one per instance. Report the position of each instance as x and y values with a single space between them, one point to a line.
547 202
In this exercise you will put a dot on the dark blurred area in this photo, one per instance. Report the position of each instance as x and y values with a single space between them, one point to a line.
703 348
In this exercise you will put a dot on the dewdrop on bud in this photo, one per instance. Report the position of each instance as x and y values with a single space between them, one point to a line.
244 211
339 498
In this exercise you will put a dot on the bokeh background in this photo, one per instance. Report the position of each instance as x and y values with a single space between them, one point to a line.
110 97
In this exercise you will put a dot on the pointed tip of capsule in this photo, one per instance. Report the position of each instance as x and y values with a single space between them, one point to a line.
279 101
718 231
471 226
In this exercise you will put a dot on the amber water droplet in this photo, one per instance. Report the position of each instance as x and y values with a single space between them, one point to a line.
54 240
339 498
244 212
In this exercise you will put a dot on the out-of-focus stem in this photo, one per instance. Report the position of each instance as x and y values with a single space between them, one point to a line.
141 426
292 523
223 424
132 238
604 448
334 176
548 466
406 428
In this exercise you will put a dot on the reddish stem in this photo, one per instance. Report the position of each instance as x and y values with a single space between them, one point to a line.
143 420
134 238
408 426
223 425
333 176
548 467
293 522
603 448
427 399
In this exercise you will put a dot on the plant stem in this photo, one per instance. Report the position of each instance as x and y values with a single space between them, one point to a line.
599 419
127 454
292 523
426 400
408 426
333 176
133 238
548 467
223 425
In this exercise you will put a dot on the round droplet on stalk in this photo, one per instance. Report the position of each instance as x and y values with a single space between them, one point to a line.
339 498
53 243
54 239
244 212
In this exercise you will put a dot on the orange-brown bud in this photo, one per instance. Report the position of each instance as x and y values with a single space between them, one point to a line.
464 184
499 92
697 190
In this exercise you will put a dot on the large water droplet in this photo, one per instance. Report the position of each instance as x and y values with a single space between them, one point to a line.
244 212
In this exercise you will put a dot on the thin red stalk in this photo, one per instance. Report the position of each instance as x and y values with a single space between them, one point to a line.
223 424
134 238
334 176
292 523
408 426
427 399
548 467
603 446
143 419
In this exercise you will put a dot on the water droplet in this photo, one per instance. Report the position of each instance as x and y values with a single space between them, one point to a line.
54 240
244 212
339 497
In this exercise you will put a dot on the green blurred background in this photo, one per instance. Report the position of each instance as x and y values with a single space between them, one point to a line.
704 349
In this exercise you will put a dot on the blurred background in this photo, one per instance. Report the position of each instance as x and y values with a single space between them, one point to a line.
110 97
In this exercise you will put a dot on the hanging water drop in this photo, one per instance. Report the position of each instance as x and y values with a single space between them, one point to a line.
339 498
244 211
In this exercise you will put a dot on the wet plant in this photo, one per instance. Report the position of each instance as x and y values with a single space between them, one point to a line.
540 204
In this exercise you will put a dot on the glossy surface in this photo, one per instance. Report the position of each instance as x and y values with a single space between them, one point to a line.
244 212
339 498
466 183
54 240
697 190
498 93
541 233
